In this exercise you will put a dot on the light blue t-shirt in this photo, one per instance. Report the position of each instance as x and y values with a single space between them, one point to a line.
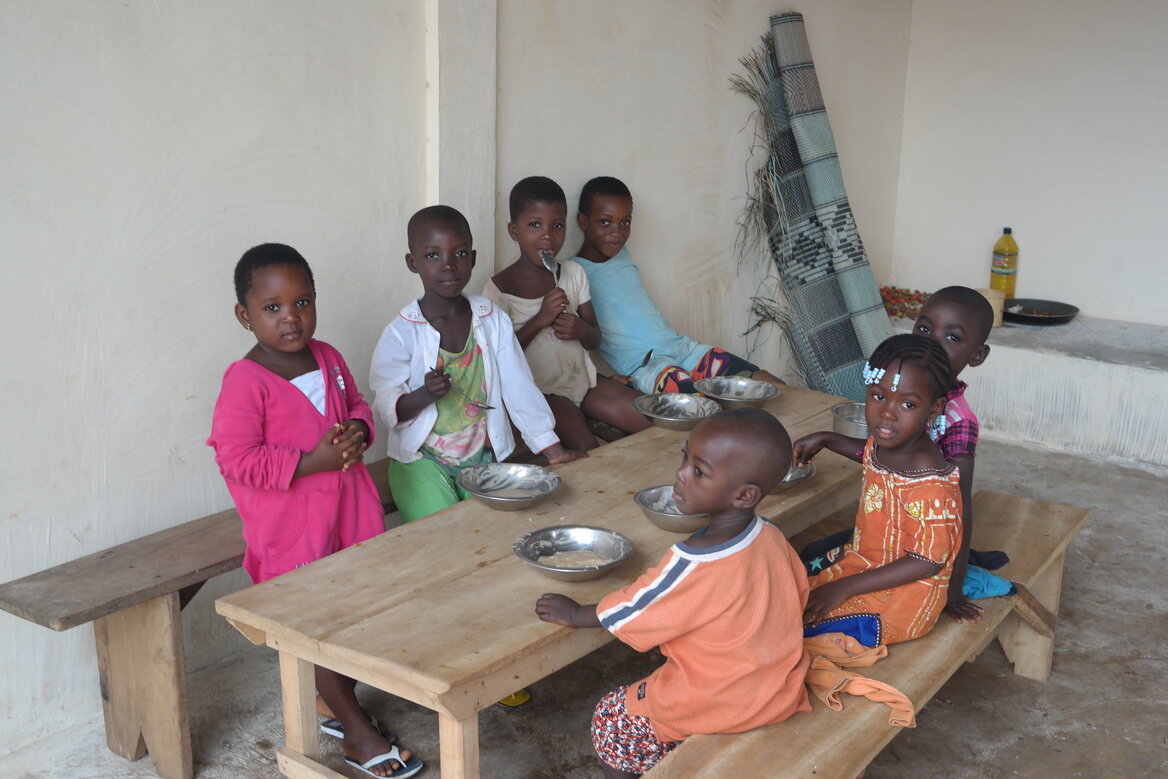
630 324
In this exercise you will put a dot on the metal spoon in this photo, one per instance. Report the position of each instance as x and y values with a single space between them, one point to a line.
468 398
549 261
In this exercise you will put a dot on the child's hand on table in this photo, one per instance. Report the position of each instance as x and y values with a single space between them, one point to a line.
557 609
562 610
556 453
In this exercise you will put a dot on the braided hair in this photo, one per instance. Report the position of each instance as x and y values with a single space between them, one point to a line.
263 256
925 353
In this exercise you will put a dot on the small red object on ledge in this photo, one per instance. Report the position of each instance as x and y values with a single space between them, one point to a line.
903 303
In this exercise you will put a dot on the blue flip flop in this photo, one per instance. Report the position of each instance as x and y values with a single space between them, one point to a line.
334 728
405 769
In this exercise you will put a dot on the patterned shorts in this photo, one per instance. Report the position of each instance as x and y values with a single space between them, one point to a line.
624 741
716 362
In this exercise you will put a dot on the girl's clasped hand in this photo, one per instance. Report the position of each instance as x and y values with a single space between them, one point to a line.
339 449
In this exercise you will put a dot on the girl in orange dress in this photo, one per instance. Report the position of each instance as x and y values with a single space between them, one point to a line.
890 582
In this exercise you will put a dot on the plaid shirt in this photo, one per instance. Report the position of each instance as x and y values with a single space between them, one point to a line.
960 433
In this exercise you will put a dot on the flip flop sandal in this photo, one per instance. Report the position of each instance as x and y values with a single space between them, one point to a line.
405 767
334 728
515 699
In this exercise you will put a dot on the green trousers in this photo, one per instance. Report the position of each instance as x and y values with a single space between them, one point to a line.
422 487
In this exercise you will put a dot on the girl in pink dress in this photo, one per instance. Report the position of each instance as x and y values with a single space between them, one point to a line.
289 432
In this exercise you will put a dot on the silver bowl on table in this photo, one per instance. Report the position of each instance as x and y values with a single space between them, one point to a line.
675 411
658 505
734 391
585 552
848 419
509 486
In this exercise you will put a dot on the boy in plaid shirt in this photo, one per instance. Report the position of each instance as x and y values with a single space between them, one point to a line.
960 320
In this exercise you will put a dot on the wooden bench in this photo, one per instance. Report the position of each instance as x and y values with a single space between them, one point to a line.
133 594
826 743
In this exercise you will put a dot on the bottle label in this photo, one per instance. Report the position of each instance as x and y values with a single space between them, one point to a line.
1004 263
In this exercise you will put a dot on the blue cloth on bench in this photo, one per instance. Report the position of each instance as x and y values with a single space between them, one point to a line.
865 628
980 583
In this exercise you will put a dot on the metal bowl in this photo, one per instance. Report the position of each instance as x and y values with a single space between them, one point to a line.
509 486
612 547
797 474
848 419
733 391
675 411
658 505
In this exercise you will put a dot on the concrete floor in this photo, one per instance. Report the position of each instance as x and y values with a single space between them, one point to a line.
1101 714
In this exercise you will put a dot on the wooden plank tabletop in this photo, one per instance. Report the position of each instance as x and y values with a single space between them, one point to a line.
441 611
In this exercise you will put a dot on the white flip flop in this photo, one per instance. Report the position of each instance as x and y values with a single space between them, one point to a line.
405 769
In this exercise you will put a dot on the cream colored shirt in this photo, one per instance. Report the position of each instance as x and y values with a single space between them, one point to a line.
558 367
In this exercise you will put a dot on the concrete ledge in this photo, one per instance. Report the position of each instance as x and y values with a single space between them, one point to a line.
1092 386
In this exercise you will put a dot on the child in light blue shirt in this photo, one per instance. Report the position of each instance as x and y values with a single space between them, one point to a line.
631 324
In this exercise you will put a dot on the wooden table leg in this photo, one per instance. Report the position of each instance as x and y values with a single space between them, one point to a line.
1030 651
143 673
298 688
459 746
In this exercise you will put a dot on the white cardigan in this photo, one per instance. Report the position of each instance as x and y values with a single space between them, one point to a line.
408 350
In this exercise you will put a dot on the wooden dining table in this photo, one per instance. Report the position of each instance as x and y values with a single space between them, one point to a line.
442 613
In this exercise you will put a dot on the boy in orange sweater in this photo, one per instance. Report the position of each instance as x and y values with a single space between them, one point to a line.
725 606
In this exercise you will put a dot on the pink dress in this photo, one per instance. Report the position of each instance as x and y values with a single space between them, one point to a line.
262 424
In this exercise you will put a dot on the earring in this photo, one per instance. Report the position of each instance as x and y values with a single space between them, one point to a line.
248 326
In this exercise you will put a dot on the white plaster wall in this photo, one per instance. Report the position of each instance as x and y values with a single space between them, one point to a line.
143 147
1083 406
1048 116
641 91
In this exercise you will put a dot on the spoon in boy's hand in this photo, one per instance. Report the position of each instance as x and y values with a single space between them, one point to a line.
549 261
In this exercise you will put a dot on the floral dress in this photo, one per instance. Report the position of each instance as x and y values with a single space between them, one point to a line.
916 514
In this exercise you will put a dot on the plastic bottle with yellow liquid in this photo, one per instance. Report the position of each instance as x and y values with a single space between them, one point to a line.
1004 273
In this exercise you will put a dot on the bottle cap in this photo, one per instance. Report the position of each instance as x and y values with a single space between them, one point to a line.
1006 230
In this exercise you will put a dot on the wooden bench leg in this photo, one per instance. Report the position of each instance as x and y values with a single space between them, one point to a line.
1028 649
458 744
143 673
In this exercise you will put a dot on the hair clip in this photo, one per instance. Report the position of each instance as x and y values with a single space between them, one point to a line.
895 381
872 375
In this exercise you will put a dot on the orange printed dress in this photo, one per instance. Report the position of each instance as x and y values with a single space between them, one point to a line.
916 514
